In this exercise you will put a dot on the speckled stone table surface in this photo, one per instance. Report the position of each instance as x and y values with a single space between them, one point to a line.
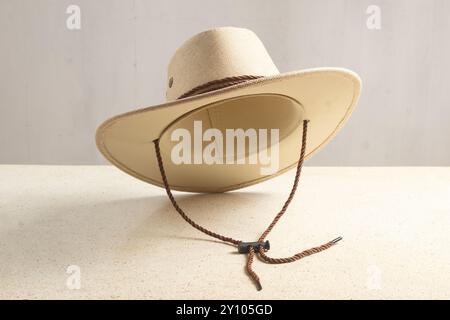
125 241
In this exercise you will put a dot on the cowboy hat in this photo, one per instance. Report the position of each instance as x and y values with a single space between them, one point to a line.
225 78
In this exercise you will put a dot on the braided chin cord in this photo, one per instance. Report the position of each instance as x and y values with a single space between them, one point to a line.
259 249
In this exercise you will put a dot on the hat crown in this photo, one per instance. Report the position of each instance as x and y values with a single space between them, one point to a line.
214 55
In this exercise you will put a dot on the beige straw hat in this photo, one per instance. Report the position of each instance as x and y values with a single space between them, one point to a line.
226 78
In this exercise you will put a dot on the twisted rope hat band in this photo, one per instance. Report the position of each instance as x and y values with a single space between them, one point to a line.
256 248
218 84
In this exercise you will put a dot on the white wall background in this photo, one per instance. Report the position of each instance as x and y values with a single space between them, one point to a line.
58 85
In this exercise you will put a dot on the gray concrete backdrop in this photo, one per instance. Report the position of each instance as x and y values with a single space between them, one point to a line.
57 85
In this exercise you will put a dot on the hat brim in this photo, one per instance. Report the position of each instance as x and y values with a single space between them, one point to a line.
328 96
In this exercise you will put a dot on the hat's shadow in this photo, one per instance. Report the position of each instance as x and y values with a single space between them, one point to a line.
68 231
217 211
